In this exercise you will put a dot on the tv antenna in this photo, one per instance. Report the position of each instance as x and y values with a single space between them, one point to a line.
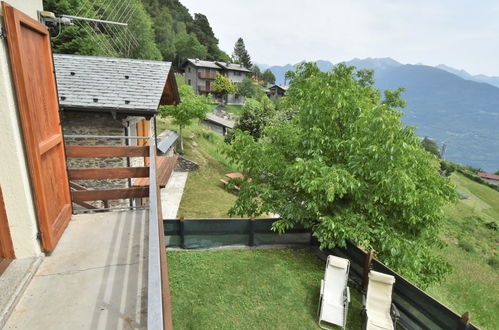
110 34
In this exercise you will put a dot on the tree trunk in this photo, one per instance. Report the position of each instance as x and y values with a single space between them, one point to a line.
181 140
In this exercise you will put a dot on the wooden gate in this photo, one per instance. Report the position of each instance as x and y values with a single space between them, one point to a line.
34 80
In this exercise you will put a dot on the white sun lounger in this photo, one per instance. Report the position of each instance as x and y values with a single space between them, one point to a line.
379 312
335 294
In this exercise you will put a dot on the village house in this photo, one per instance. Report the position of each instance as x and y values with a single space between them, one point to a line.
200 75
217 123
490 178
276 91
104 96
59 270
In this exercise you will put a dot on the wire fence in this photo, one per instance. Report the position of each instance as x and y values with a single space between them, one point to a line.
417 309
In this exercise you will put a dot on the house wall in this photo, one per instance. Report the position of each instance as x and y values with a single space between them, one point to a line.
14 177
215 127
496 182
193 76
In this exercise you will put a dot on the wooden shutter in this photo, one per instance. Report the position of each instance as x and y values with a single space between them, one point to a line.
34 80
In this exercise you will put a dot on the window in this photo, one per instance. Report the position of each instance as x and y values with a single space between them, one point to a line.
189 70
237 73
188 82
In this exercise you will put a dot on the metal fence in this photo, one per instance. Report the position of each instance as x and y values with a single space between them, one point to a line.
417 309
210 233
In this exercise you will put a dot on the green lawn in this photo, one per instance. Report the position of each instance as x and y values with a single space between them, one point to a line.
474 283
234 109
204 194
248 289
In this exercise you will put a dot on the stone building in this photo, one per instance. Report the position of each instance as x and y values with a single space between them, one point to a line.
200 75
103 96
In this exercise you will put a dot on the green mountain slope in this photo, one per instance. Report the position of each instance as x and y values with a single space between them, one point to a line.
472 247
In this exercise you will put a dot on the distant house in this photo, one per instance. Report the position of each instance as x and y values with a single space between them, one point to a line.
276 91
111 96
490 178
218 124
200 75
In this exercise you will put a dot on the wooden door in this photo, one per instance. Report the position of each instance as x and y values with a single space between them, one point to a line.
6 248
37 101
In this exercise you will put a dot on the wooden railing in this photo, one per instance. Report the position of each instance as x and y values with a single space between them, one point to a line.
81 194
205 75
204 89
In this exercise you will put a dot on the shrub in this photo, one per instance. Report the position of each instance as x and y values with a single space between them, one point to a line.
466 246
493 262
492 225
461 194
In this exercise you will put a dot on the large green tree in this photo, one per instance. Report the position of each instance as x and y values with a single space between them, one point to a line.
249 88
268 77
241 55
192 107
430 146
223 86
188 46
257 113
349 169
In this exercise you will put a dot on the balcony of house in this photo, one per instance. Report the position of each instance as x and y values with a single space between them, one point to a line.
206 89
108 271
206 75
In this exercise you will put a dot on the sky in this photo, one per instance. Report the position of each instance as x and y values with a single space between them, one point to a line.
463 34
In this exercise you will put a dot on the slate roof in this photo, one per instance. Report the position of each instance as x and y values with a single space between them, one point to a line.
104 83
233 66
203 64
219 120
216 65
166 139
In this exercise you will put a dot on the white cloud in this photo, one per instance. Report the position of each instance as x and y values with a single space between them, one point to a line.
460 33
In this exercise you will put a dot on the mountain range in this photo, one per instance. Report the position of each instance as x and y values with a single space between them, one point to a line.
448 105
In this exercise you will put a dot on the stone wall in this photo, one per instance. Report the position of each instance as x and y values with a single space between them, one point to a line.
185 165
92 123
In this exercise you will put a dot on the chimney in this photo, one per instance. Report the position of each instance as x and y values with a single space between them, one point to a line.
197 60
228 64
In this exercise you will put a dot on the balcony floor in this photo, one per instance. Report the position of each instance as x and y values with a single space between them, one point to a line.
96 278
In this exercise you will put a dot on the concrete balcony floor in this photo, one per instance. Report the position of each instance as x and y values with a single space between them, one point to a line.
96 278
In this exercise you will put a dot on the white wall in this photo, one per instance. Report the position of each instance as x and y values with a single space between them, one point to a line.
14 177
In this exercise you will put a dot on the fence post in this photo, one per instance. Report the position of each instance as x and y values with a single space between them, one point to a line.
252 232
466 319
367 268
182 240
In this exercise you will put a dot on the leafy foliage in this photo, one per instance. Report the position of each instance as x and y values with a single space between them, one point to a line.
430 146
257 114
174 25
241 55
223 86
99 39
268 77
192 107
349 169
249 88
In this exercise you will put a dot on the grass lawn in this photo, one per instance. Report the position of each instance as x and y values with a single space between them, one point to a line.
472 248
234 109
248 289
204 194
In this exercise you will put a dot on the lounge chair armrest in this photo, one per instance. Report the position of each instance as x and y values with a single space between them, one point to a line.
364 300
348 294
322 287
395 314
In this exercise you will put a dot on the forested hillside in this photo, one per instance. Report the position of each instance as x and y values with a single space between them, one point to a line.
157 30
